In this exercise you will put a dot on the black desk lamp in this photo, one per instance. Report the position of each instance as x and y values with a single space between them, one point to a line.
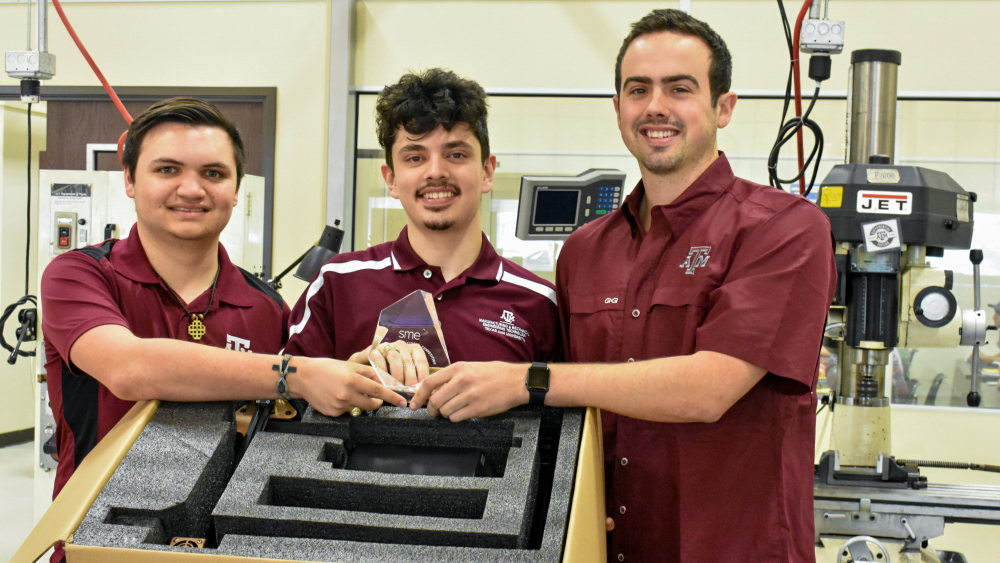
313 259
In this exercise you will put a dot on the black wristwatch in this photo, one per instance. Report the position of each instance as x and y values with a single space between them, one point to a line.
537 383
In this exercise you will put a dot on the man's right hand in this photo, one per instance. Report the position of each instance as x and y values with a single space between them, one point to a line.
334 387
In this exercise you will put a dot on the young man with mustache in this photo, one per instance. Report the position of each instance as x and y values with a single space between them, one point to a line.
437 164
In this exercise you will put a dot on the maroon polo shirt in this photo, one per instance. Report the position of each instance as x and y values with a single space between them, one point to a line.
732 267
113 283
494 310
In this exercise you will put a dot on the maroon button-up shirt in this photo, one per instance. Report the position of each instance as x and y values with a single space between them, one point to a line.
113 283
495 310
732 267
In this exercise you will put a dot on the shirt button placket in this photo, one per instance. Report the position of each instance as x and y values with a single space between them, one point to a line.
428 273
621 557
635 313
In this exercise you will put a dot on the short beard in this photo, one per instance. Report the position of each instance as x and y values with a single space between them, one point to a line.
664 167
651 162
439 225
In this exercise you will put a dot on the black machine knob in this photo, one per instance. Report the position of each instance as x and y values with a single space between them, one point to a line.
976 256
879 159
973 399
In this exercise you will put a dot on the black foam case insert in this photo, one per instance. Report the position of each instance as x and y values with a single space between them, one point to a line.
306 489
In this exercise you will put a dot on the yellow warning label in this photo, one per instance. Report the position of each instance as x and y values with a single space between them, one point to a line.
832 196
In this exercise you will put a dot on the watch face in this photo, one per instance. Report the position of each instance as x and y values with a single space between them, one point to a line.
538 378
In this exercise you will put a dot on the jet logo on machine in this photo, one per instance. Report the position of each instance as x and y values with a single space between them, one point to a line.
885 203
697 257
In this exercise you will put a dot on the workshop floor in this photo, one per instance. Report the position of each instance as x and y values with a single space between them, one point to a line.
16 496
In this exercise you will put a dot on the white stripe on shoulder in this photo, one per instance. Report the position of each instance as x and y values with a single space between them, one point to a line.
538 288
336 268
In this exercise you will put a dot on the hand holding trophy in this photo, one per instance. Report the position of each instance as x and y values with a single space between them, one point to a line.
408 343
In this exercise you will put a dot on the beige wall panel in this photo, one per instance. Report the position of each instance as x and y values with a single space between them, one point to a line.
226 44
18 379
500 44
573 44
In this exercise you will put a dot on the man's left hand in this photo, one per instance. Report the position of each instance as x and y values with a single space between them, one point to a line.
472 389
405 362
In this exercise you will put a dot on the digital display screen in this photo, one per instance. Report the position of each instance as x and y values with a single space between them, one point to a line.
556 207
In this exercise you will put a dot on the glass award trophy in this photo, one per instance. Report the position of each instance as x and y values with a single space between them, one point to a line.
413 319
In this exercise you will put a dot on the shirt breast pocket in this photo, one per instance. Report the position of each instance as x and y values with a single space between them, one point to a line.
595 327
675 313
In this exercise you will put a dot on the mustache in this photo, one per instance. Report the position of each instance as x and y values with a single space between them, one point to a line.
679 125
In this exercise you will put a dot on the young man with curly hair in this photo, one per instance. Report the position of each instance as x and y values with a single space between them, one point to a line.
438 165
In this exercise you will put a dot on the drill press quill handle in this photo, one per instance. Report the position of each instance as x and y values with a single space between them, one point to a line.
976 256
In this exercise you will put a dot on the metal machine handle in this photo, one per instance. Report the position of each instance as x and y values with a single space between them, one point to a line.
857 548
973 399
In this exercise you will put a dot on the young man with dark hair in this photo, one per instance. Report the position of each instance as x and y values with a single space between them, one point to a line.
437 164
156 315
700 306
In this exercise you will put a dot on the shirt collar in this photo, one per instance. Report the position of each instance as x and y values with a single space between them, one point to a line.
131 262
693 201
404 258
486 267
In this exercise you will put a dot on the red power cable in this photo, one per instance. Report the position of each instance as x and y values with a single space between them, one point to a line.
798 86
97 71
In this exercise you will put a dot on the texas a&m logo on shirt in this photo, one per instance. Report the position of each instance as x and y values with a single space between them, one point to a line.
505 326
697 257
237 343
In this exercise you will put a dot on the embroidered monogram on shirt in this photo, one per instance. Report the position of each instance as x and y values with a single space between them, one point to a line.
696 258
237 343
507 317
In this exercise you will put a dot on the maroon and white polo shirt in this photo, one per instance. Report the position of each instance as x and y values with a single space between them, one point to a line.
113 283
732 267
495 310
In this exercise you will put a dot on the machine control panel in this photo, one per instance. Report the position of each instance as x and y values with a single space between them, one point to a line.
70 207
552 207
65 236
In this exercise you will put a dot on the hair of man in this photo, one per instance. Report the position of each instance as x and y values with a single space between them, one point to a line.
191 111
720 70
419 103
